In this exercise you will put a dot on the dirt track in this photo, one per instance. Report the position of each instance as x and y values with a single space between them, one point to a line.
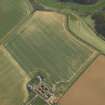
90 88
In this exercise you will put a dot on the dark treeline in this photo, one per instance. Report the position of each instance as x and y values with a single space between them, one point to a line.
99 19
86 1
35 5
81 1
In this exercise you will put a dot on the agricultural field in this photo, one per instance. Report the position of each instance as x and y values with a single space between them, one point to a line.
89 88
81 30
12 80
11 13
72 6
43 45
38 101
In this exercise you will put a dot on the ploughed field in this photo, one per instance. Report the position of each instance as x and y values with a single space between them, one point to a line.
89 88
12 80
11 13
43 45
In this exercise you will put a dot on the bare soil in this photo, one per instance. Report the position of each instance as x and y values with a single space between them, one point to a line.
89 88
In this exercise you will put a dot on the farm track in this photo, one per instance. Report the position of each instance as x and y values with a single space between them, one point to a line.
33 99
81 70
68 28
17 26
86 38
13 80
5 39
47 9
36 57
89 86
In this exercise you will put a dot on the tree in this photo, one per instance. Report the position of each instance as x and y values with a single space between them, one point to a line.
81 1
86 1
99 19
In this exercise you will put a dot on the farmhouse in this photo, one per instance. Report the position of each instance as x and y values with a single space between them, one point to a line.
43 91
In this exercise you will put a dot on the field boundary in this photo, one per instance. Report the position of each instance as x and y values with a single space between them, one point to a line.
82 70
16 27
67 27
21 71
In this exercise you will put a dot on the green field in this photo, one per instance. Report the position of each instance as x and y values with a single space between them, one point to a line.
73 6
51 44
11 13
43 45
12 80
38 101
84 32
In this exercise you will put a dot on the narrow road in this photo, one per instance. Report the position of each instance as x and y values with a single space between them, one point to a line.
34 98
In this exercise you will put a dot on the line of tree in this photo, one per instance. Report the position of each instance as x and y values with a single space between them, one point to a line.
99 19
86 1
81 1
